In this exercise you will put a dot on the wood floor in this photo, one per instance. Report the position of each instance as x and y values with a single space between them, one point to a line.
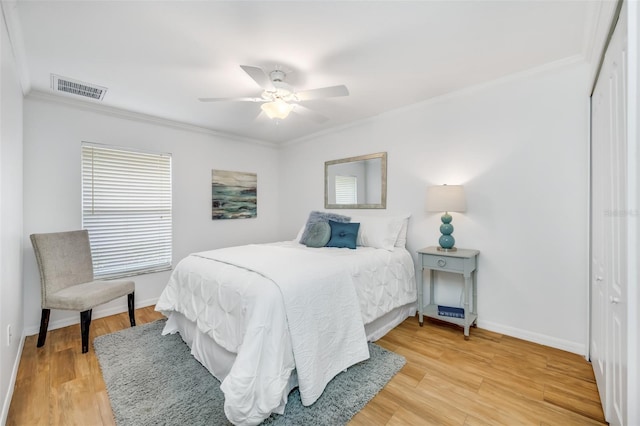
490 379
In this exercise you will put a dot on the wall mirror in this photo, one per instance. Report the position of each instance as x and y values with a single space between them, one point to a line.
356 182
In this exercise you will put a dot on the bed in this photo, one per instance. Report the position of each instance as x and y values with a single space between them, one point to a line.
266 318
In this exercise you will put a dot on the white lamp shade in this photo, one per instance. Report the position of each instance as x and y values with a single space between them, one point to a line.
277 109
446 198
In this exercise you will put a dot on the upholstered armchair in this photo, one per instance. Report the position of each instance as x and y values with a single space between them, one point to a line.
67 282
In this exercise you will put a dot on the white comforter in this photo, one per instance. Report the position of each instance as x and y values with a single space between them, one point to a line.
311 320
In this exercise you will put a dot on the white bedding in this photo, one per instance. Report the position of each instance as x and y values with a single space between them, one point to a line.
243 312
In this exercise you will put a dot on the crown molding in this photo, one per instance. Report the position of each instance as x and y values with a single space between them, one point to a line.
465 91
140 117
606 23
597 24
14 30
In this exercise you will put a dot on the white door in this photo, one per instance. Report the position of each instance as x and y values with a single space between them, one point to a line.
610 213
618 254
600 129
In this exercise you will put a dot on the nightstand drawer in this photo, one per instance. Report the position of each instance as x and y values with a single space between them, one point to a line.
443 263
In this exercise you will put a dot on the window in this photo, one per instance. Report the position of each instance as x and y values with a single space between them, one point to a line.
126 207
346 190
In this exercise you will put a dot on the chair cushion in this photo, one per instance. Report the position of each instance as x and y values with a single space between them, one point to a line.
86 296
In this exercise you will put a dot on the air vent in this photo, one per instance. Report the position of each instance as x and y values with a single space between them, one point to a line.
75 87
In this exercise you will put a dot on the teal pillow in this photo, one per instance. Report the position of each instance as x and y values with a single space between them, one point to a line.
317 216
343 234
319 235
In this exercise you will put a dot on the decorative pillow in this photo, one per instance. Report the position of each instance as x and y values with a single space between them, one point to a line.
319 235
317 216
343 234
379 231
402 235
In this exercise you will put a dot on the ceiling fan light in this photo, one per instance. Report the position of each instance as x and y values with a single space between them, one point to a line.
277 109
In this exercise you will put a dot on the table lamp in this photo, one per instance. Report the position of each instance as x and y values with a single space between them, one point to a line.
446 198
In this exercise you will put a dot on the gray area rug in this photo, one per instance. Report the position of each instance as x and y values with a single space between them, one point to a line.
154 380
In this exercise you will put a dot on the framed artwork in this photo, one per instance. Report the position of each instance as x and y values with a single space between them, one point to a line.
234 195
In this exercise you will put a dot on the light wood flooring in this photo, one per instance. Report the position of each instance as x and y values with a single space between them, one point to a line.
490 379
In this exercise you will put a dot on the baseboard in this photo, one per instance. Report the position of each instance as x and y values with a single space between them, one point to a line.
565 345
12 383
28 331
97 313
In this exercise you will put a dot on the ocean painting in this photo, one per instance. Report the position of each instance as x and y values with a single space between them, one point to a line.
234 195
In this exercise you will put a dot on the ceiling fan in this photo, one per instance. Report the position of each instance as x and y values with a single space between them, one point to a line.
279 98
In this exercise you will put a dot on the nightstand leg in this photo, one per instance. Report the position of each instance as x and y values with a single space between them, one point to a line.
467 311
420 282
475 297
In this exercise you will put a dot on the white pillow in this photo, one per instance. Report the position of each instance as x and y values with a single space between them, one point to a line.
378 231
402 235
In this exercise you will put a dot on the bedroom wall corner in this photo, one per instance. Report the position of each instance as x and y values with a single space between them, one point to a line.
11 209
520 147
54 129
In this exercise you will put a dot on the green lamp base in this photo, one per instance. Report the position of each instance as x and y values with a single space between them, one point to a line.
446 240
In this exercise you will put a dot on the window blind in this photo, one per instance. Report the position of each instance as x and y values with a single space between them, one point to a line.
126 207
346 190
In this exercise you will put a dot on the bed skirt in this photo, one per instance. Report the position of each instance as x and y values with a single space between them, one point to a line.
218 360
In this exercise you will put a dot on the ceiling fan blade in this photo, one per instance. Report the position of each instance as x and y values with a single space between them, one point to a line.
310 114
324 92
231 99
260 77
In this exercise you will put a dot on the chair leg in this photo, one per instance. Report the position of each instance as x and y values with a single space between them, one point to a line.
85 323
44 325
132 309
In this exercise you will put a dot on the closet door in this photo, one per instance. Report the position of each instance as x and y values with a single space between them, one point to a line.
609 228
618 226
600 131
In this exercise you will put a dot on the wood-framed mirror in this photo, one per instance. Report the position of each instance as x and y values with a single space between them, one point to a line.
356 182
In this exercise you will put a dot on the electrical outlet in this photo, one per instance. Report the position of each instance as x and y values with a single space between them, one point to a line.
9 335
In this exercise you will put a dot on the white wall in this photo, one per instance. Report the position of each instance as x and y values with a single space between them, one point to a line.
53 132
520 147
10 219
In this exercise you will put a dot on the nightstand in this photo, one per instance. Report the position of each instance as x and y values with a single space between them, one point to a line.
461 261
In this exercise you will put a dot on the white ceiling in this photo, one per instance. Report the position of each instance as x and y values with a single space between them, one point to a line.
159 57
